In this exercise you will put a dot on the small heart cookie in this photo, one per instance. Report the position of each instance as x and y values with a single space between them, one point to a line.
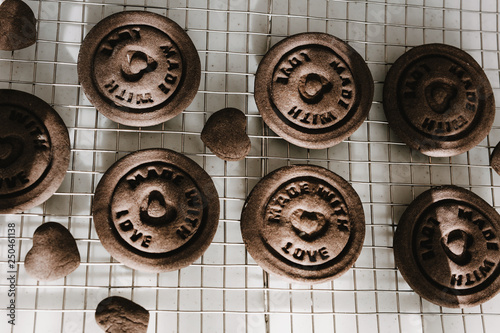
116 314
17 25
54 253
225 134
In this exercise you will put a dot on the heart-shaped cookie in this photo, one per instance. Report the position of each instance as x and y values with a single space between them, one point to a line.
308 225
17 25
11 147
225 134
116 314
54 253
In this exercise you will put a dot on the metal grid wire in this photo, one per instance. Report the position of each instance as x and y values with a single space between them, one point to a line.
225 291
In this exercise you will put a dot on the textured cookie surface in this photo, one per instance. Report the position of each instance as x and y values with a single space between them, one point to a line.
116 314
54 254
139 68
313 90
303 223
495 159
225 134
17 25
34 151
156 210
447 247
438 100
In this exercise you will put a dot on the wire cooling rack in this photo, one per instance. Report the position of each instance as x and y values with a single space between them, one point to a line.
225 291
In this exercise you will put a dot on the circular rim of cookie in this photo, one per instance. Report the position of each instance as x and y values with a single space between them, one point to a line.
438 100
50 147
446 248
134 48
303 223
313 90
142 218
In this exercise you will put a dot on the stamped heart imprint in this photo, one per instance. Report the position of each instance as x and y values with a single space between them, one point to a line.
11 148
440 95
308 225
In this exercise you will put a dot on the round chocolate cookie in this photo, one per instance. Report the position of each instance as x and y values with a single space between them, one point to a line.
313 90
304 223
447 247
139 68
34 151
438 100
156 210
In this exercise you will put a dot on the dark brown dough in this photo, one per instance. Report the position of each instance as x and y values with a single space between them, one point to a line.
17 25
54 253
438 100
303 223
495 159
447 248
156 210
225 134
139 68
34 151
116 314
313 90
